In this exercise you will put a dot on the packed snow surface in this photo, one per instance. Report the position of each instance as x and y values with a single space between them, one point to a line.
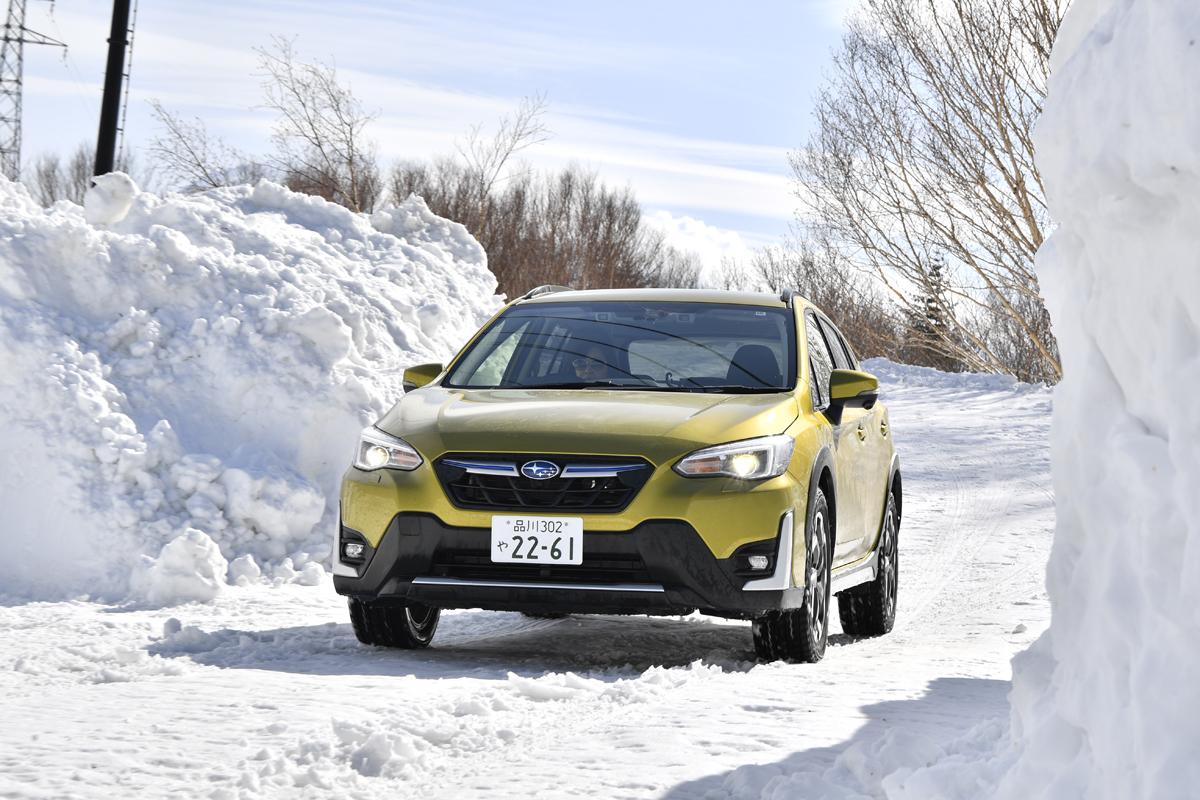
182 378
264 692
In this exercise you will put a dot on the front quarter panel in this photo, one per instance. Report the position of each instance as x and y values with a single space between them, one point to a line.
814 444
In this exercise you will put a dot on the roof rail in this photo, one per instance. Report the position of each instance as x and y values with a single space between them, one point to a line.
549 288
786 297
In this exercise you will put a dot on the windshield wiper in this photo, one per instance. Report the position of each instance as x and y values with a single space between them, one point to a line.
740 389
635 387
566 385
650 387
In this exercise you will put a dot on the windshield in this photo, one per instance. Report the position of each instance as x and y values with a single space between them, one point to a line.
698 347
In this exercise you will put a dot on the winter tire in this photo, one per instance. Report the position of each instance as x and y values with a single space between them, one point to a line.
408 626
870 609
799 635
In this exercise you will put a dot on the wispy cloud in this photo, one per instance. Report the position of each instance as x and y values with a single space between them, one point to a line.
431 70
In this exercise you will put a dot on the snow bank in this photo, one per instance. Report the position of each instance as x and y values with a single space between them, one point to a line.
203 363
1105 703
893 375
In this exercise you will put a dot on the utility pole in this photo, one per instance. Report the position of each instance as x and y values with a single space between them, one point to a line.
110 107
12 58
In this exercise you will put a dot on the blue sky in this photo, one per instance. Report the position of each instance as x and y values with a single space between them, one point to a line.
694 104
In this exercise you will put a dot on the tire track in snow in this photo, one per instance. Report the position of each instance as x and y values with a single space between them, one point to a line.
272 696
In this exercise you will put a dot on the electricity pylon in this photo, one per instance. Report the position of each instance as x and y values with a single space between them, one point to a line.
12 54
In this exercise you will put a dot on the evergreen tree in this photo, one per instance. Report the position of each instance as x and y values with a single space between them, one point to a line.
928 327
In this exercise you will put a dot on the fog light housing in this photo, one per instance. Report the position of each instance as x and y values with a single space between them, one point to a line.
353 550
758 562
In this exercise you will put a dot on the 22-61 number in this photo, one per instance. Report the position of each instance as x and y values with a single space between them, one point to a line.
555 549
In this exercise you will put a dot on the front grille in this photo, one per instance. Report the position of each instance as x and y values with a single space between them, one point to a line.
600 568
492 481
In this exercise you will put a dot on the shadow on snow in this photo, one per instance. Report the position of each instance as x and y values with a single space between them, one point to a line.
485 645
949 708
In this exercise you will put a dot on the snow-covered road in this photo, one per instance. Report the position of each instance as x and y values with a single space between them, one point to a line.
266 692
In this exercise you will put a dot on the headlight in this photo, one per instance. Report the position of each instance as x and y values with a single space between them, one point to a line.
752 459
378 450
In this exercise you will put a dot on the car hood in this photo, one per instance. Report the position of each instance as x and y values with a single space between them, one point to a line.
656 425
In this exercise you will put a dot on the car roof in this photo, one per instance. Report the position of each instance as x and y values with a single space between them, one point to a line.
662 296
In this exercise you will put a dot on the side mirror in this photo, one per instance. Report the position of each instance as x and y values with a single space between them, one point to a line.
418 376
849 388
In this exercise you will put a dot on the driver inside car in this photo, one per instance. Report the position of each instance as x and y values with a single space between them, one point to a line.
593 364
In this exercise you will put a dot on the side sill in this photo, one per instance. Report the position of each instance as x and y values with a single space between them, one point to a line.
856 574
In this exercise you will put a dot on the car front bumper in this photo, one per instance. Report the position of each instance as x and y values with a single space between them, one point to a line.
726 513
658 567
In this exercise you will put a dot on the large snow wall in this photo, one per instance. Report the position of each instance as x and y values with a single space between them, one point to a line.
1106 704
203 363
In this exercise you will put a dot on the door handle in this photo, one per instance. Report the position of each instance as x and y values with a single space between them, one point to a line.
862 433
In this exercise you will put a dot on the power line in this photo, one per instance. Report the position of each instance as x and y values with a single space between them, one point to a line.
83 96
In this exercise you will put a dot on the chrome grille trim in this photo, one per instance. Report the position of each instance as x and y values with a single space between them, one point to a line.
569 471
483 467
604 471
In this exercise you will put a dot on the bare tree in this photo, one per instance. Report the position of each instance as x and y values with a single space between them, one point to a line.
487 157
676 269
320 138
565 227
924 150
734 276
194 158
819 273
53 179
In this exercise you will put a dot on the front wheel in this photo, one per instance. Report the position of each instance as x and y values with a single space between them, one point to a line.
408 626
870 609
800 634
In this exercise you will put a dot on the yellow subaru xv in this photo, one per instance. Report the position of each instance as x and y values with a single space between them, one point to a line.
631 452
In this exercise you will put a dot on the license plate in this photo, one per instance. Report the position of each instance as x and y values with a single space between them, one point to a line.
537 540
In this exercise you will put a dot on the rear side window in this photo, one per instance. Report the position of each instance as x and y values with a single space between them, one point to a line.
854 364
820 362
843 358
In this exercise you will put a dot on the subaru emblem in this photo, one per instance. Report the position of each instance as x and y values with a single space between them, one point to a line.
539 470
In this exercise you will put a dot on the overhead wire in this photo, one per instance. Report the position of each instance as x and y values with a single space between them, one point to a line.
85 91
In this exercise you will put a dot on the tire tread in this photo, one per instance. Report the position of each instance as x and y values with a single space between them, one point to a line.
784 635
862 609
385 626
